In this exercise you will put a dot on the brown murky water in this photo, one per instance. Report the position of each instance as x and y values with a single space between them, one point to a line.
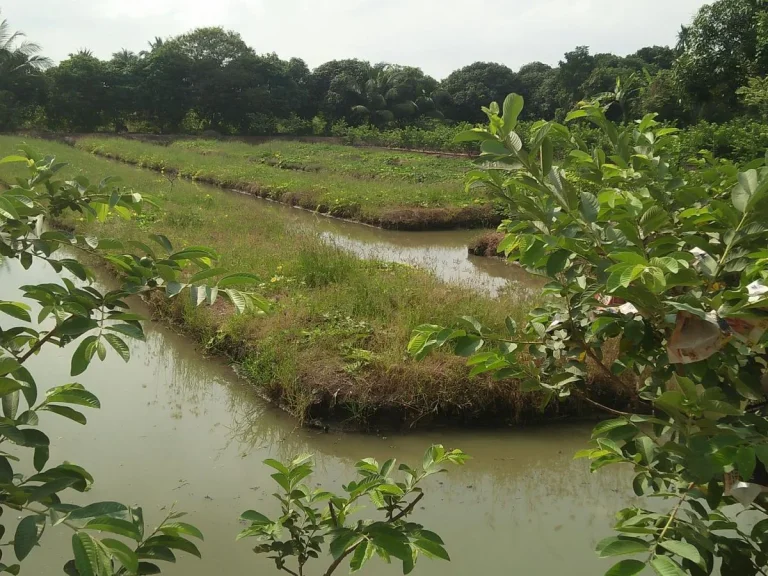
176 427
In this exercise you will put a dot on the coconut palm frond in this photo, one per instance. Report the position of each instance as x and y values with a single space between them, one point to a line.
385 115
362 110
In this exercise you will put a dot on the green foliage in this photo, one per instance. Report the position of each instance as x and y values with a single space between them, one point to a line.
671 266
724 46
740 140
310 518
755 95
210 79
95 324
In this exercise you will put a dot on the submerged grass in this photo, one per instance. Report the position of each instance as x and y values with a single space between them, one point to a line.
334 348
397 190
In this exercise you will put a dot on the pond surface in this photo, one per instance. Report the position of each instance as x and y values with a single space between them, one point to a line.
444 252
176 427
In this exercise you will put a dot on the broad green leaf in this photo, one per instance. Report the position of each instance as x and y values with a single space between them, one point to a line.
683 549
468 345
16 310
9 385
590 207
627 567
238 300
745 462
343 539
89 559
13 158
181 528
205 274
72 394
172 542
122 553
474 135
237 279
432 549
97 509
83 355
27 535
664 566
115 526
743 191
67 412
119 345
361 555
513 105
130 330
620 545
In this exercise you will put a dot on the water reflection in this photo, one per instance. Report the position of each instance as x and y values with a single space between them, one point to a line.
443 252
176 426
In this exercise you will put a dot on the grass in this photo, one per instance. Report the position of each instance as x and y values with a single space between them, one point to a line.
335 345
384 188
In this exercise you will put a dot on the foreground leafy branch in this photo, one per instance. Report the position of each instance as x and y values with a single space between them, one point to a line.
658 279
75 313
309 518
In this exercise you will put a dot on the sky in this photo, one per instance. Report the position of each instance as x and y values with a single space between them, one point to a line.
438 36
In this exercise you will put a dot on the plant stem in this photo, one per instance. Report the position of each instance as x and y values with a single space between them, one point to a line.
404 512
730 245
39 344
672 517
589 400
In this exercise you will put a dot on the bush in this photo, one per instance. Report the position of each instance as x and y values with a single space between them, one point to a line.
319 125
295 126
740 140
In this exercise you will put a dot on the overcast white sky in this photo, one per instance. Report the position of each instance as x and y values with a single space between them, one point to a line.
436 35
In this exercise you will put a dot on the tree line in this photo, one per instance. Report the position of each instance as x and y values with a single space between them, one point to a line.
210 79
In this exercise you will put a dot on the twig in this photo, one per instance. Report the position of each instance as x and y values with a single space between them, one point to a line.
39 344
589 400
333 515
408 509
672 516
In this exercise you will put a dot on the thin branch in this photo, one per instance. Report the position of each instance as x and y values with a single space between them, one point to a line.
404 512
408 509
39 344
672 517
291 572
589 400
333 515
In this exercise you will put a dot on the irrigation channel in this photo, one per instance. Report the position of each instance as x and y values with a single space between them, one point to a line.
176 427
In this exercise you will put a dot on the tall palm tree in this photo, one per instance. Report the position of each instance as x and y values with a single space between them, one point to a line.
393 92
16 53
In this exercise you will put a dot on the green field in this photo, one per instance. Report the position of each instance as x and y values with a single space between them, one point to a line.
341 325
398 190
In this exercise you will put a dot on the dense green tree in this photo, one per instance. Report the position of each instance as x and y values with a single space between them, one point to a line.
575 70
22 87
661 96
663 57
122 80
473 86
335 87
209 53
725 45
535 81
165 94
394 92
80 86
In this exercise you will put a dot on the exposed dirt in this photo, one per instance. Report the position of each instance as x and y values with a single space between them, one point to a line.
486 244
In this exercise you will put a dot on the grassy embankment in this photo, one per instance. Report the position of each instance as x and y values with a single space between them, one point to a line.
335 345
398 190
